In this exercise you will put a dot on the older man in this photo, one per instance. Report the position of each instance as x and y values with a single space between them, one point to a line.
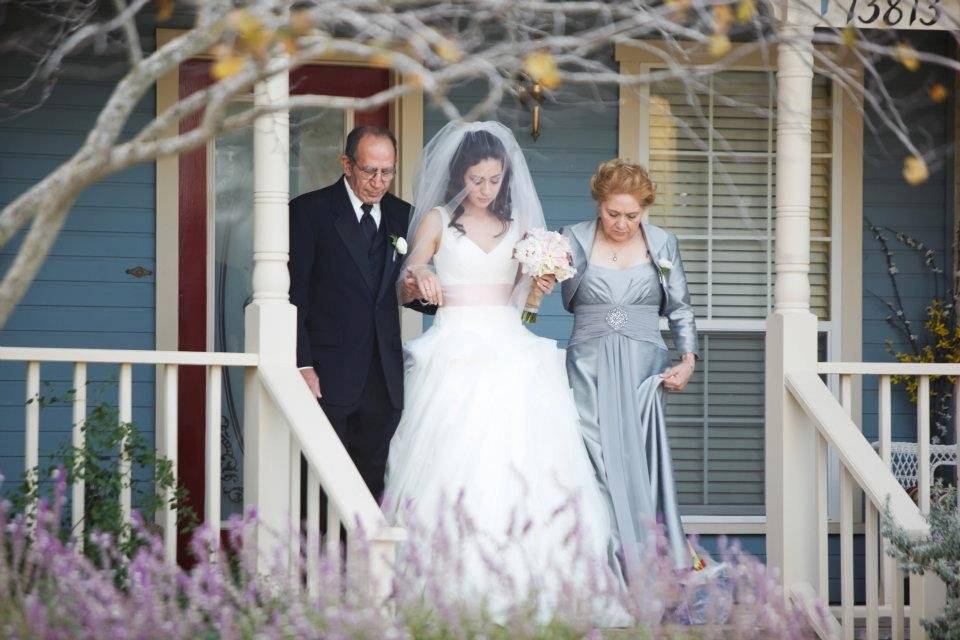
343 271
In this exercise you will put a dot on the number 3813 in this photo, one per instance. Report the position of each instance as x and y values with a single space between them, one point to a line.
894 12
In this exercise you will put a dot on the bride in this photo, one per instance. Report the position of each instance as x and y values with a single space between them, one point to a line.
489 439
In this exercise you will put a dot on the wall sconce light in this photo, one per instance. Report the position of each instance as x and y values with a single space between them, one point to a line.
530 95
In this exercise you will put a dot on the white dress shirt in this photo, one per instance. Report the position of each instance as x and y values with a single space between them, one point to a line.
356 202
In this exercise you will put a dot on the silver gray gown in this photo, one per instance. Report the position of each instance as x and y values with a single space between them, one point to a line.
613 360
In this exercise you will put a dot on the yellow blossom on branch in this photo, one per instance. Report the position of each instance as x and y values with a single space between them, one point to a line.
301 22
679 9
719 45
746 10
228 62
541 66
226 67
848 36
381 59
250 30
945 348
722 17
907 56
164 10
915 170
290 45
937 92
448 50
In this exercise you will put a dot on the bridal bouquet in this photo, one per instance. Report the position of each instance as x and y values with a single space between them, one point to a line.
542 253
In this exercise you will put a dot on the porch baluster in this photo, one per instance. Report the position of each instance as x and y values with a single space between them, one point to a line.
212 488
169 450
871 568
313 532
956 429
923 445
888 568
917 594
896 594
293 475
126 419
332 545
917 586
32 437
78 492
846 552
846 393
823 514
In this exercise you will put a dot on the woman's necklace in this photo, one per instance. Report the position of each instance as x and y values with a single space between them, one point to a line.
613 252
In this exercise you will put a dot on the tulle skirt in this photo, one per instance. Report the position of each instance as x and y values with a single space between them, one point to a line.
488 468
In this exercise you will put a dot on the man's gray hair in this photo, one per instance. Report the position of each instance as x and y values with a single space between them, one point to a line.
357 134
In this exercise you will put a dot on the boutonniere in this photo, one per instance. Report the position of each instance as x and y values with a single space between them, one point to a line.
399 244
665 265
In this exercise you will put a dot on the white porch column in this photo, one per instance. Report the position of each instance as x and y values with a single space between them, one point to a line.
791 340
271 321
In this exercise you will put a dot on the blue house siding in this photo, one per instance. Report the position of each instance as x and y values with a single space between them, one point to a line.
924 212
82 296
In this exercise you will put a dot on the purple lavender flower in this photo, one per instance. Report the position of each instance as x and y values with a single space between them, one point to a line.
50 590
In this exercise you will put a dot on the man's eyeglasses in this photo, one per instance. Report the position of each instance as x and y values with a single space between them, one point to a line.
369 173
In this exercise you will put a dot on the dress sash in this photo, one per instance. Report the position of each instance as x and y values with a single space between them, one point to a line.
634 321
477 295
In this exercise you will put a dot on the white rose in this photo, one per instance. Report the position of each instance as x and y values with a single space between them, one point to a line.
401 246
664 264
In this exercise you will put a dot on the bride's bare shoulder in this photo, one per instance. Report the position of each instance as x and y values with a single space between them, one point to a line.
434 219
430 228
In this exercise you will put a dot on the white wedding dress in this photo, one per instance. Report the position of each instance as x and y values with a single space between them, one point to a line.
489 424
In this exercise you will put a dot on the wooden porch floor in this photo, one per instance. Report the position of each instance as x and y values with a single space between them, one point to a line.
719 632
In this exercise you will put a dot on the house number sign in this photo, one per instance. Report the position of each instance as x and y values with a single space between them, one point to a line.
933 15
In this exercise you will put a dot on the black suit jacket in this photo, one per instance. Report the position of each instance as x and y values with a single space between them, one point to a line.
342 314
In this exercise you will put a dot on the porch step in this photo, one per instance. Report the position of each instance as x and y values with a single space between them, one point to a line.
726 632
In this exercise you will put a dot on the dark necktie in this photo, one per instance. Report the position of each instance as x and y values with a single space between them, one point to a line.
367 223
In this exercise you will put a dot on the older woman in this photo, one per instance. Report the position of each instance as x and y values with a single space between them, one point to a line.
629 274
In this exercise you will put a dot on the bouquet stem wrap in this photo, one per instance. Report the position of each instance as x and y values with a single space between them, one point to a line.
532 306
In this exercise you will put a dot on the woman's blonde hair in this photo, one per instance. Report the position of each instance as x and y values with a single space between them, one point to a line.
617 176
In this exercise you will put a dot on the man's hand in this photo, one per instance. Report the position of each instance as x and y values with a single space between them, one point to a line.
313 382
411 290
428 284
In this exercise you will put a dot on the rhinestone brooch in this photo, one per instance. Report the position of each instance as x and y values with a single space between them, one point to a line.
617 318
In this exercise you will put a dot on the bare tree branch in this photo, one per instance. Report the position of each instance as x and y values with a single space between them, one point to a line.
429 46
130 31
84 35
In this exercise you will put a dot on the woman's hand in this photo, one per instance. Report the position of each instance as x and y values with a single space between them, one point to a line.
676 377
429 285
546 283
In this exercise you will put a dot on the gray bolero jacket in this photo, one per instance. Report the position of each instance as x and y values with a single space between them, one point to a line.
673 281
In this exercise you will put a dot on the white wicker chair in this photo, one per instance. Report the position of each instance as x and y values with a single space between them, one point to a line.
903 460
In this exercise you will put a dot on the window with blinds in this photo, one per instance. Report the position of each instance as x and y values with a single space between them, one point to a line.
716 427
713 157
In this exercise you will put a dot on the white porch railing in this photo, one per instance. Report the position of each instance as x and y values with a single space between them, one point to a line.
864 470
329 467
